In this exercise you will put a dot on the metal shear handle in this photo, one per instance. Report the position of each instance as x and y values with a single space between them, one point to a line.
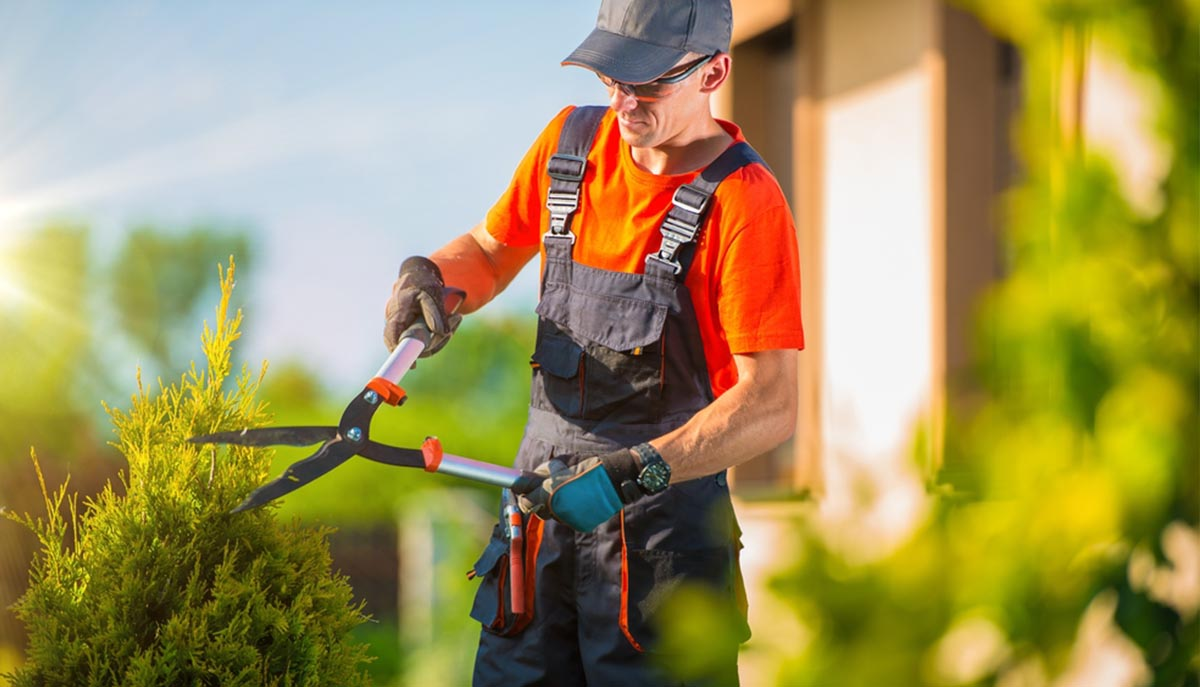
386 381
436 460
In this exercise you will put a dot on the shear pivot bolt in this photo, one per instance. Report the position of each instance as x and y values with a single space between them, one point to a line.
354 434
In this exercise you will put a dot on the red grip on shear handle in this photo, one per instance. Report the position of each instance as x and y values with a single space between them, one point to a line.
432 451
516 563
389 392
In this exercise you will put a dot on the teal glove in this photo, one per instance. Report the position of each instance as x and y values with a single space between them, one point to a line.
586 495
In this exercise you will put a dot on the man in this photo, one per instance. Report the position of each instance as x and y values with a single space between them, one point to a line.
668 331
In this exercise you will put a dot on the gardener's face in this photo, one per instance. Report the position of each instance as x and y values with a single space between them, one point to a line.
651 115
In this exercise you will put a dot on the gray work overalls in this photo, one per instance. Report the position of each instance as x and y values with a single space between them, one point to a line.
618 361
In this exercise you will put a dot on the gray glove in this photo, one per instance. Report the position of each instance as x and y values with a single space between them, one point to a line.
418 294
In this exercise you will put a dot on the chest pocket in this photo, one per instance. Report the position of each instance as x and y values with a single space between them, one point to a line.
599 356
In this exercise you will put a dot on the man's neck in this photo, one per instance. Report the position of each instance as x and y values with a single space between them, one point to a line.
684 153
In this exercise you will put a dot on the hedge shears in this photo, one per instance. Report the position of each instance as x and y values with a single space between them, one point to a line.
352 435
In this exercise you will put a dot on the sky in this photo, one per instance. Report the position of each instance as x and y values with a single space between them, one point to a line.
346 136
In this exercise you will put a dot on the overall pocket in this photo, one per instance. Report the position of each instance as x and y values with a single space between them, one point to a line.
601 355
493 600
651 576
558 370
623 386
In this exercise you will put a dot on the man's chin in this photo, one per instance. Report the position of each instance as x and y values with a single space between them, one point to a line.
635 136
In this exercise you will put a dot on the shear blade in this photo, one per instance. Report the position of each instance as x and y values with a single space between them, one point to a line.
391 455
269 436
298 474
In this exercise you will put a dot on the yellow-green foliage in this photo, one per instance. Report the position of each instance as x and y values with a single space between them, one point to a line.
161 585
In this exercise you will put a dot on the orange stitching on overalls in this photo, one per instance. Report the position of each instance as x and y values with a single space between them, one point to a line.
623 619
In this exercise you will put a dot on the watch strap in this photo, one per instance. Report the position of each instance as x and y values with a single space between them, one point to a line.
623 469
646 454
655 473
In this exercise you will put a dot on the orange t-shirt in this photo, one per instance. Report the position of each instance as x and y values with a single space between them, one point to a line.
745 277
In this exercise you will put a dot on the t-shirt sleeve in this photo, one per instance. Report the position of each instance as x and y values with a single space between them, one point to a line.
516 218
758 291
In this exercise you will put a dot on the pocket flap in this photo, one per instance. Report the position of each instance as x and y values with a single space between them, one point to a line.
490 556
617 322
559 356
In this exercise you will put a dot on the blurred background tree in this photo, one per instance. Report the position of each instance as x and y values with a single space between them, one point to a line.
1061 545
160 281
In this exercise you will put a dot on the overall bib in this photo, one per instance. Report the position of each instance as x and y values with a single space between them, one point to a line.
618 361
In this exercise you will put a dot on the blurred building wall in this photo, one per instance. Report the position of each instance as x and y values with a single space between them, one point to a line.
886 122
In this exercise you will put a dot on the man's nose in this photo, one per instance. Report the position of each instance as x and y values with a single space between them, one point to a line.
620 101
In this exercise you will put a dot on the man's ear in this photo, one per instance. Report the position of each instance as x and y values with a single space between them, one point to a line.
715 73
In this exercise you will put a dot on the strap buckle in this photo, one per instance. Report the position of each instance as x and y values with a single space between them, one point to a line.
690 199
676 233
561 205
566 167
562 201
678 230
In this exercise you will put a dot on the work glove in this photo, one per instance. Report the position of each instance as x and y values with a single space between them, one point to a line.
584 495
419 294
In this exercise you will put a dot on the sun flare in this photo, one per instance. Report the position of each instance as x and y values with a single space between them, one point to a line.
12 289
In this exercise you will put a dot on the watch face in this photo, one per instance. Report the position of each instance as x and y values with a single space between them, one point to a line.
655 477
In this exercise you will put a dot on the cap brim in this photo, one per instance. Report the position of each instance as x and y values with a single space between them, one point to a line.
624 59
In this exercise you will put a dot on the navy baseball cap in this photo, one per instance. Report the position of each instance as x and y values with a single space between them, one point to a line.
636 41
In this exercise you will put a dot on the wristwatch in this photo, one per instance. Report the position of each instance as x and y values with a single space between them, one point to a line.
655 474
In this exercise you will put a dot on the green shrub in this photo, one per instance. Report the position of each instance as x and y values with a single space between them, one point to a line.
160 584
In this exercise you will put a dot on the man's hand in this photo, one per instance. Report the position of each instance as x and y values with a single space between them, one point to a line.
418 293
587 494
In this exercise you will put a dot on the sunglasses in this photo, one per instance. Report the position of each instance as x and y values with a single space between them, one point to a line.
659 88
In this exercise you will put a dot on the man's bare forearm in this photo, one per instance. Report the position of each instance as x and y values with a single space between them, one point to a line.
754 416
480 265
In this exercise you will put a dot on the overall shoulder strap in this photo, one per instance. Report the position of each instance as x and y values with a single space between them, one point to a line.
568 165
689 208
